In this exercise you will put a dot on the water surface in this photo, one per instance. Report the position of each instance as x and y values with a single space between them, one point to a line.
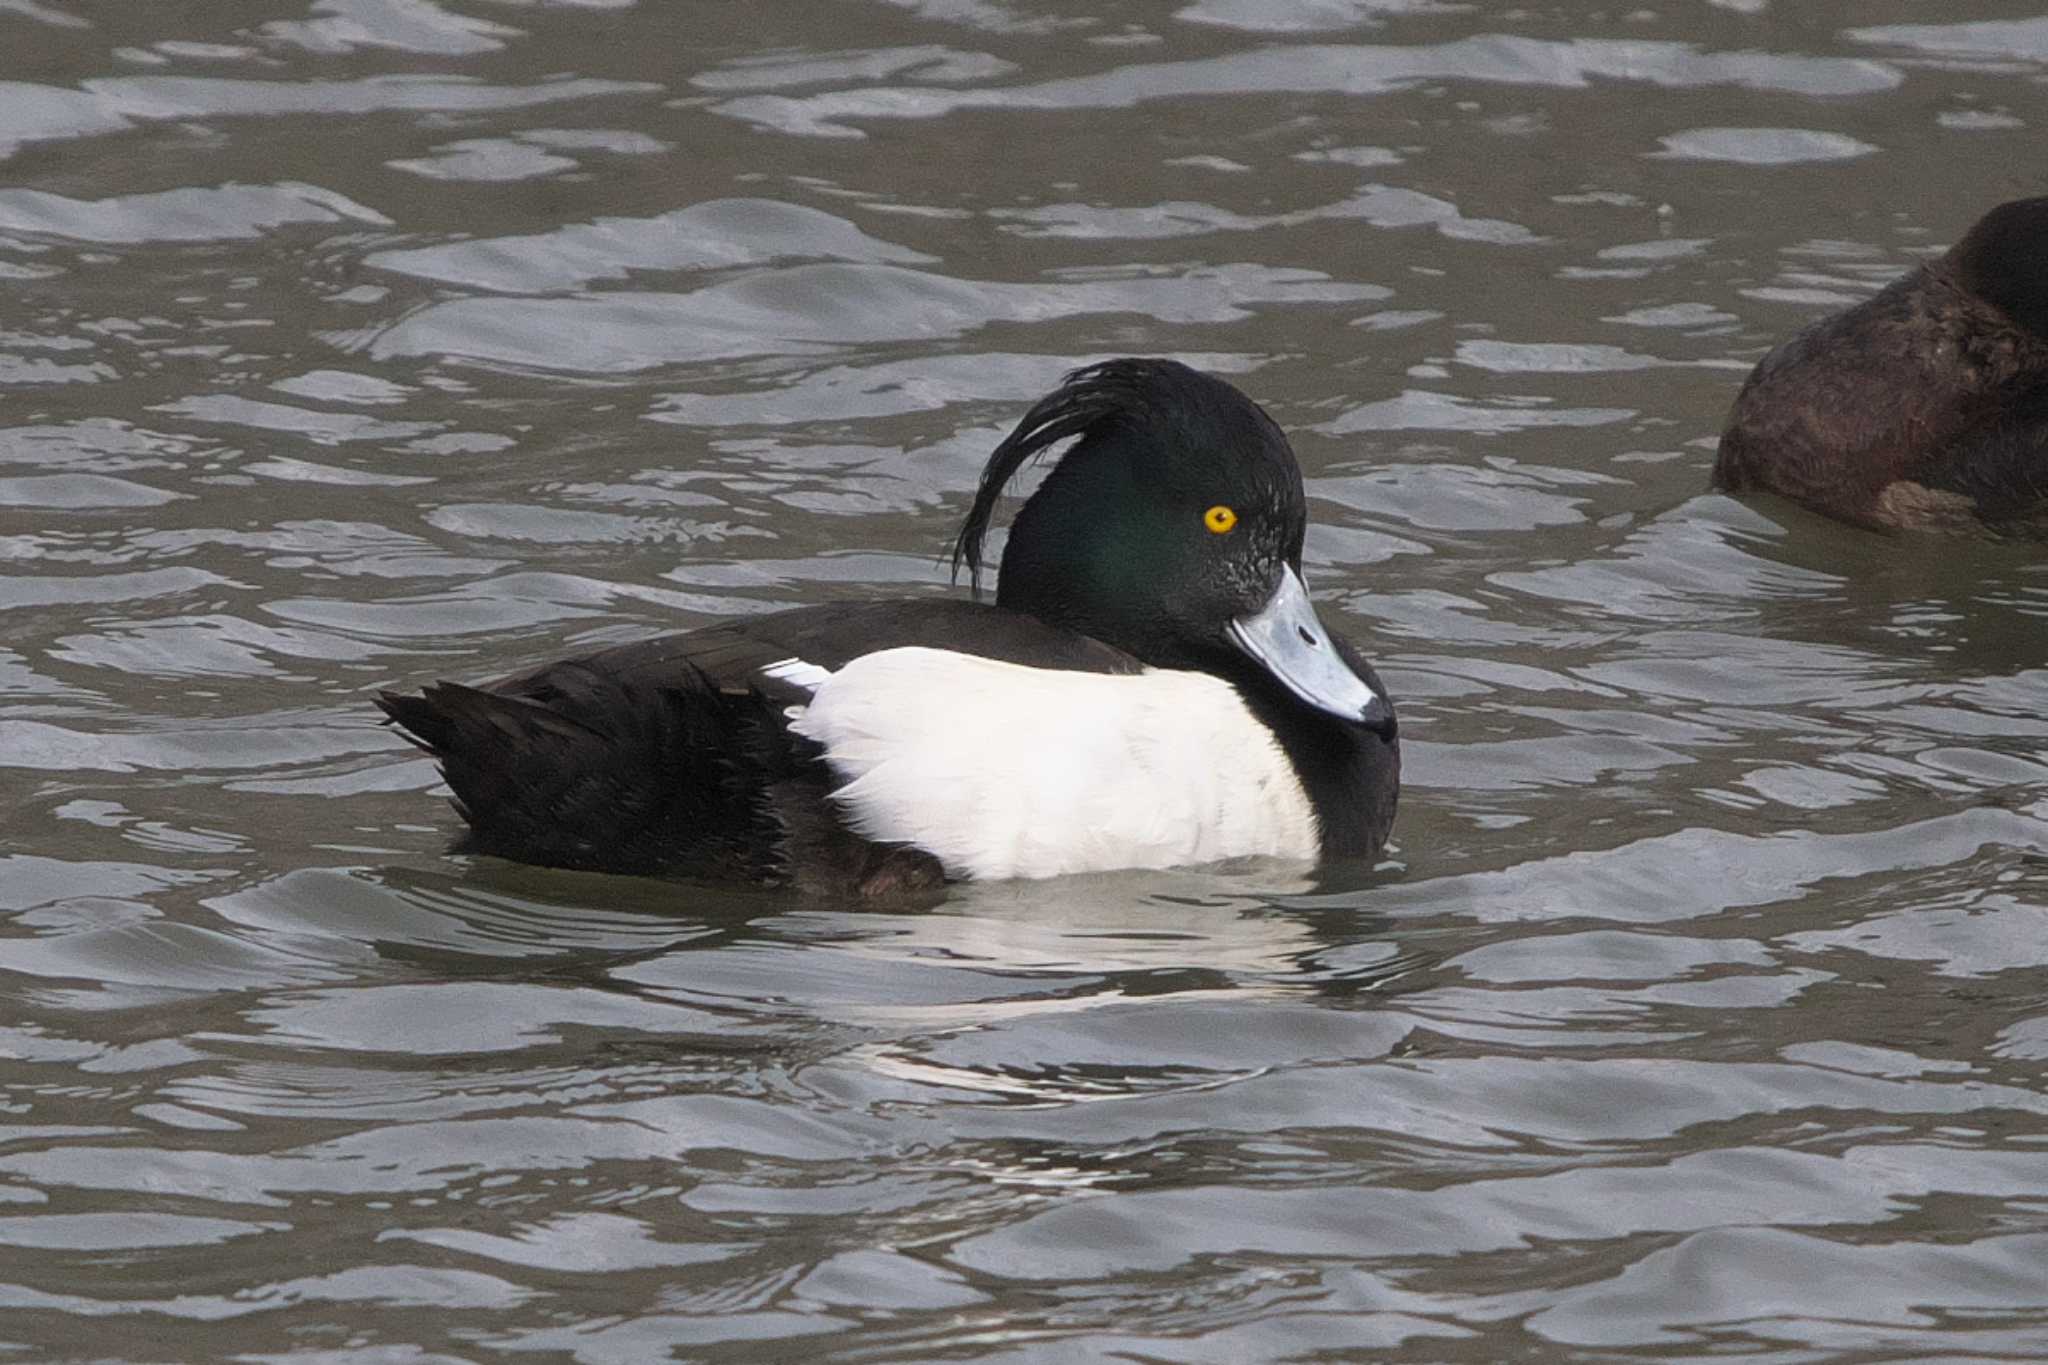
1701 1004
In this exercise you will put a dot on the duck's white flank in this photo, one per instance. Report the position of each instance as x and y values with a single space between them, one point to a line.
1000 770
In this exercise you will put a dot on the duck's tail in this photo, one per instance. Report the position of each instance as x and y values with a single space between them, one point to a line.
571 767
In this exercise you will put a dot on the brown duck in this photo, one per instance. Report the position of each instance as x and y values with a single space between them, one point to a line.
1924 408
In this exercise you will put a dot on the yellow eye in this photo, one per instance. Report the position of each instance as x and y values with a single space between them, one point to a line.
1219 518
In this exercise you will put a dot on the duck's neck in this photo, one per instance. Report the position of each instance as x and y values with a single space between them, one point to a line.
1351 774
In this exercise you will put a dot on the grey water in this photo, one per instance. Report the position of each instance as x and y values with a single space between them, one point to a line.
1699 1008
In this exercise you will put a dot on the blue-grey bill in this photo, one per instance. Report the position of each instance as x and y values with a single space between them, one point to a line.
1286 636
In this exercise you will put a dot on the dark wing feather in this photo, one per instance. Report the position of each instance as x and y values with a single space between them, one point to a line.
2000 465
572 766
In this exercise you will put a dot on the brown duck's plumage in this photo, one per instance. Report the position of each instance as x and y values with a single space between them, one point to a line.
1925 407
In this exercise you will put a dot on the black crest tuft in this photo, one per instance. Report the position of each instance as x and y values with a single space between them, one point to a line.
1132 397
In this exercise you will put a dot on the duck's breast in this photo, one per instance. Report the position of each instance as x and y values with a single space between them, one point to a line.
1003 770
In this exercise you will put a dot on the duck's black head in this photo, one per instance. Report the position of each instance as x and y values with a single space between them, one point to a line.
1171 528
2004 261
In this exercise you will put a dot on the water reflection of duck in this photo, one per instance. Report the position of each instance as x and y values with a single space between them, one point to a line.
1151 688
1925 407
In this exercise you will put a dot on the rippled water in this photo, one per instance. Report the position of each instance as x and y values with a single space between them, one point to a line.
1702 1004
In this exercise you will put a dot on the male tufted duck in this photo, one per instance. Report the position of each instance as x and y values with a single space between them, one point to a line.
1925 407
1151 688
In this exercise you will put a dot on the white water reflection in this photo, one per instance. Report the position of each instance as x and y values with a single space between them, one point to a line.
1996 41
803 309
409 25
1380 205
1362 70
1762 146
182 215
715 235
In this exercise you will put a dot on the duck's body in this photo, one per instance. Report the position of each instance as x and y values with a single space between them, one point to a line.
1118 707
1925 407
